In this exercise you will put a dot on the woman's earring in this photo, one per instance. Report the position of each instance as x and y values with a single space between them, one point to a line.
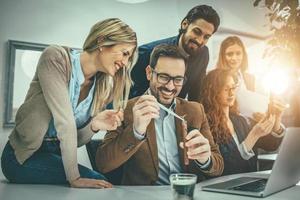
100 49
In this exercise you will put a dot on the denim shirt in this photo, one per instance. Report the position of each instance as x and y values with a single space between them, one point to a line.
82 111
168 155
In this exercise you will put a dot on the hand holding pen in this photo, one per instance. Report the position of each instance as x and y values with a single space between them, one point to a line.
144 110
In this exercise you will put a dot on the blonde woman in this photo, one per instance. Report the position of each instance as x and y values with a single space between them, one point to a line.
233 56
65 106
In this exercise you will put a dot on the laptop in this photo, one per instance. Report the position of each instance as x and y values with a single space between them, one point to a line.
285 172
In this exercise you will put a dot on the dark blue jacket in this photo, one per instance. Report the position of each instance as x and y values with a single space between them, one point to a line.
196 70
233 162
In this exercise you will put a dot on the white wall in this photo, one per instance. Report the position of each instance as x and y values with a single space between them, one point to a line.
67 22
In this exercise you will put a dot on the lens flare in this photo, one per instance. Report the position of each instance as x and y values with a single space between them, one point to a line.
276 81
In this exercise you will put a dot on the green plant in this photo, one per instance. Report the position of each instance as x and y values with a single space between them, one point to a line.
284 18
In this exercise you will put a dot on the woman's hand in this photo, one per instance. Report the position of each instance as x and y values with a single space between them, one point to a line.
90 183
262 128
276 107
258 116
107 120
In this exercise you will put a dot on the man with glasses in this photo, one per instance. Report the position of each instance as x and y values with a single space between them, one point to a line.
150 143
200 23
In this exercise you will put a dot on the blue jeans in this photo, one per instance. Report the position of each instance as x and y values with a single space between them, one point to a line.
45 166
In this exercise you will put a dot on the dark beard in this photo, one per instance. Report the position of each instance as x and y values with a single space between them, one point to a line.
190 51
174 91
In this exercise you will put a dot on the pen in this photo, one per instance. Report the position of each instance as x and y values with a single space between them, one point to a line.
170 111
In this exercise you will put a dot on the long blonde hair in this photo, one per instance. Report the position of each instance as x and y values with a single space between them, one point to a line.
110 32
229 41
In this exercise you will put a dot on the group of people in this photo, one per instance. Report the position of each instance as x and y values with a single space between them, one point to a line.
69 95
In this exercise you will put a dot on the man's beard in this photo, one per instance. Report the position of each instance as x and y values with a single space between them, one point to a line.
160 89
185 45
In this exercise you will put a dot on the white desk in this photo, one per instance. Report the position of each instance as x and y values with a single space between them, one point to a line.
51 192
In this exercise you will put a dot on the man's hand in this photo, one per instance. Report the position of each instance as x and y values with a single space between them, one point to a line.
144 110
198 146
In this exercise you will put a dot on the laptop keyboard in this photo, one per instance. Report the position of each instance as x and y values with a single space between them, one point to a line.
255 186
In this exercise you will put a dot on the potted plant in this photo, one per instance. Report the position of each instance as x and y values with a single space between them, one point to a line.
284 18
284 44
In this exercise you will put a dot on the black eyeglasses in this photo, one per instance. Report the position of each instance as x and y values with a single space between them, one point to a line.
164 78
